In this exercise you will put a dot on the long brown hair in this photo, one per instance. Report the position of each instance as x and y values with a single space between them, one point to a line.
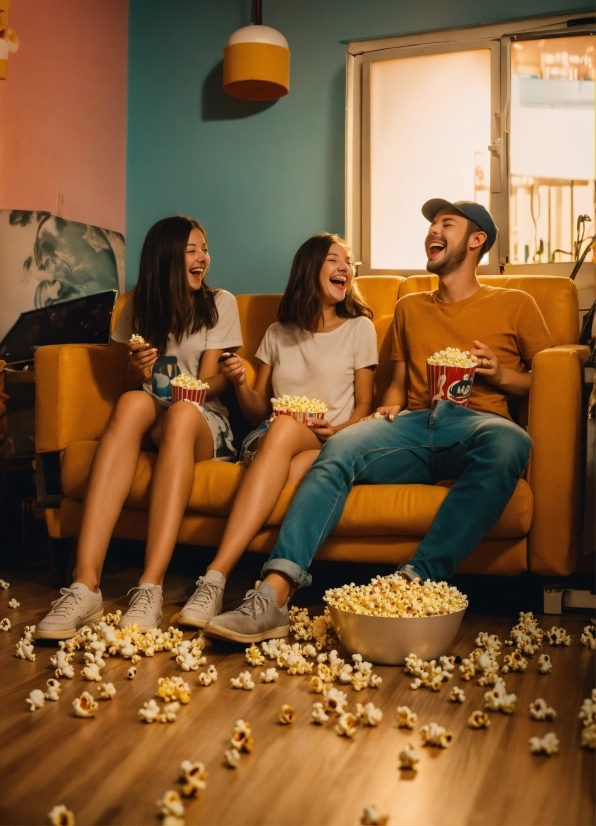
301 303
163 302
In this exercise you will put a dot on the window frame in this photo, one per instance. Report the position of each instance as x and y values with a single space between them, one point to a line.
497 37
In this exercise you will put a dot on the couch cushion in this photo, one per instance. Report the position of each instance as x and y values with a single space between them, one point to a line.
213 490
371 510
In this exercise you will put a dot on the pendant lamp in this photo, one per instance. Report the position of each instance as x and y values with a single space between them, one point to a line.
257 62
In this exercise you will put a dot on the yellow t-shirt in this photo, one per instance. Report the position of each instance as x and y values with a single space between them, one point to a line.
507 321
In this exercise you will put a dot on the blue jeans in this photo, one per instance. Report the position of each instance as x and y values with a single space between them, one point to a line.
485 453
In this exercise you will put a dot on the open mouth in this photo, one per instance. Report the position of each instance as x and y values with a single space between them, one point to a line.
435 248
197 271
338 281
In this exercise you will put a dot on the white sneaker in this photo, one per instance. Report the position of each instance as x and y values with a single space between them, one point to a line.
76 607
206 602
145 607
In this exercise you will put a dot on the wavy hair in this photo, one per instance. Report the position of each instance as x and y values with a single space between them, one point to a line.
163 302
301 303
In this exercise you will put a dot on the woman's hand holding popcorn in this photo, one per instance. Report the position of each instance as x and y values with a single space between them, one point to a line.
321 428
142 356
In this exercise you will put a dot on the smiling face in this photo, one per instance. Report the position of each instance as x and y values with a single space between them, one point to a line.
336 274
449 242
196 259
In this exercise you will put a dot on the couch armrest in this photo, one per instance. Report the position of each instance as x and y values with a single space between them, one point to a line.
554 474
76 387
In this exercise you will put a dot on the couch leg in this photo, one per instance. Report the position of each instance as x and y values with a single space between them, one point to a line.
556 598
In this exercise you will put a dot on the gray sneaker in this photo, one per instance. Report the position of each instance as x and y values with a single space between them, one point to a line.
257 619
206 602
407 571
145 607
76 607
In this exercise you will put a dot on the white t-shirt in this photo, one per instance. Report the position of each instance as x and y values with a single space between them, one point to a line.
185 356
320 365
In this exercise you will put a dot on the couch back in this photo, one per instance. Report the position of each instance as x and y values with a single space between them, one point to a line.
556 297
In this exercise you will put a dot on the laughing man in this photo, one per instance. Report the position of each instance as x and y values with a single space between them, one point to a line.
407 441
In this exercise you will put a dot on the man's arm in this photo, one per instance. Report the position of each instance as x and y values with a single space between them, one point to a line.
509 381
395 398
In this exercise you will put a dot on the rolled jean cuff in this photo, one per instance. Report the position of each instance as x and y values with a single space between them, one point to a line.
300 578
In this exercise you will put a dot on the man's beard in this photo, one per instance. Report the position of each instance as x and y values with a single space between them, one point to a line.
449 262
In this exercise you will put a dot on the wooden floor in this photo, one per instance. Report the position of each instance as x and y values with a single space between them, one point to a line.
112 769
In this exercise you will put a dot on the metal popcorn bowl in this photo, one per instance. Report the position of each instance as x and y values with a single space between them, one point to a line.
389 640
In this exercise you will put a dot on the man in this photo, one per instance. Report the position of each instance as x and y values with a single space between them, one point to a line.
409 442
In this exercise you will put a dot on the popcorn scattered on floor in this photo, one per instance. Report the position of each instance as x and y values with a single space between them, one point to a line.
406 718
371 816
478 719
61 816
539 710
287 715
243 680
13 603
408 758
194 777
85 705
36 699
549 744
435 735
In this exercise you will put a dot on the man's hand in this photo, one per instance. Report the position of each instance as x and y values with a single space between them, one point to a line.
488 364
234 370
388 412
321 428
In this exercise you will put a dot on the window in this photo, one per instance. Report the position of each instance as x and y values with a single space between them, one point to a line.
502 115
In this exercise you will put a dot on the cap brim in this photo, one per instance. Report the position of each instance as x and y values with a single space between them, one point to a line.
430 208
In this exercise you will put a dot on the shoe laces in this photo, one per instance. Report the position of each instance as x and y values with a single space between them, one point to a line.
142 600
204 594
61 607
255 603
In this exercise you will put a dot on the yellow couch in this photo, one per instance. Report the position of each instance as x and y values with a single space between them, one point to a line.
77 386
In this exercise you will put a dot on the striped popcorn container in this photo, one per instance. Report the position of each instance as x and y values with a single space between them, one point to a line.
300 417
453 384
180 394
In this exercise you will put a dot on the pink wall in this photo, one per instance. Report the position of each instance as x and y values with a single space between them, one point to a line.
63 111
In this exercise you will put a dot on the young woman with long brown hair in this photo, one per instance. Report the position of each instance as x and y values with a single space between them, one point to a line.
325 347
186 325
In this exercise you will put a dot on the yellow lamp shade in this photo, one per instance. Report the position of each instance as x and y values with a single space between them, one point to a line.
257 64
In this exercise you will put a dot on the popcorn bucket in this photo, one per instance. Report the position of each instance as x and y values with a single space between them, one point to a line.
180 394
452 384
300 417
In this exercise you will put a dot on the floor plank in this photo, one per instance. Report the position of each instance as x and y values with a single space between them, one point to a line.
112 769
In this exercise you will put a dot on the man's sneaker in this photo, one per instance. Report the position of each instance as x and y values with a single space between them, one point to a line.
206 602
145 607
76 607
258 618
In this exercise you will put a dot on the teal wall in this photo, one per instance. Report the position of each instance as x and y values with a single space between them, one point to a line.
262 178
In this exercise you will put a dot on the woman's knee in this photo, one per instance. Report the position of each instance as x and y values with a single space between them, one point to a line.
182 418
281 432
132 408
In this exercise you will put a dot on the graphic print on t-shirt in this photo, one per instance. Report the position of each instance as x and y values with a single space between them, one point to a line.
164 370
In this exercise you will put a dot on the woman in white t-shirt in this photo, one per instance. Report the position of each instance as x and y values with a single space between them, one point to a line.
323 347
186 326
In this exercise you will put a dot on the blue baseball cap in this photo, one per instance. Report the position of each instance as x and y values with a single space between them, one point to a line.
469 209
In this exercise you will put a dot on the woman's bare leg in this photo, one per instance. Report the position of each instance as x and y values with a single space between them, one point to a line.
110 481
261 486
184 438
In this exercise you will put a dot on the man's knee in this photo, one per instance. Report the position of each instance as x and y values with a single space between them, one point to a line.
507 443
